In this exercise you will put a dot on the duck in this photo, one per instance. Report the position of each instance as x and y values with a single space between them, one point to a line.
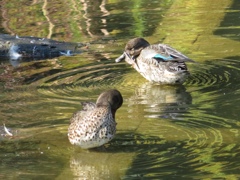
95 124
158 63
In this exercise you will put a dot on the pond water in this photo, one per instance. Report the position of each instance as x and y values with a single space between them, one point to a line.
188 131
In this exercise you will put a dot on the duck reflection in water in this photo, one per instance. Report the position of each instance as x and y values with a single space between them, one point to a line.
95 124
114 160
161 101
100 165
157 63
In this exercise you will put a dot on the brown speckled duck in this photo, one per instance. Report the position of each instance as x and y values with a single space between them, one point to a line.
95 124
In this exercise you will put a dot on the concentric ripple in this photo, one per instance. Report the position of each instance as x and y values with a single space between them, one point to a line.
214 72
187 126
92 74
162 131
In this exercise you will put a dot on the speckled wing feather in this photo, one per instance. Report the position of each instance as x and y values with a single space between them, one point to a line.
92 128
86 108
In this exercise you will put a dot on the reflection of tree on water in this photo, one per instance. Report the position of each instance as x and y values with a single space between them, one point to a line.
72 20
113 160
140 156
135 18
94 17
161 101
184 160
229 27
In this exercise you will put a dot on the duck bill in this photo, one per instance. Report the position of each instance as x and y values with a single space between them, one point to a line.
120 58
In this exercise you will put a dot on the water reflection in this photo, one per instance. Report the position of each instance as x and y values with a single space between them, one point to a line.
99 165
161 101
181 160
84 19
229 26
95 14
23 159
151 157
163 131
211 73
130 17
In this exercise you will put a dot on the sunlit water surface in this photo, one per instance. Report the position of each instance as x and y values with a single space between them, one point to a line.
188 131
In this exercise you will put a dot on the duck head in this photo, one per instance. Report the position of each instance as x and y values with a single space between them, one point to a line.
133 48
112 98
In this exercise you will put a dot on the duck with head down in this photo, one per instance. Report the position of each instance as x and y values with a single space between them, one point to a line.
158 63
95 124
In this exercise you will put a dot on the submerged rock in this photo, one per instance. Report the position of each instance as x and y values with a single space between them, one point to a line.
27 47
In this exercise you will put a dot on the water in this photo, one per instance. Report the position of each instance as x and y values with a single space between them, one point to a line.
188 131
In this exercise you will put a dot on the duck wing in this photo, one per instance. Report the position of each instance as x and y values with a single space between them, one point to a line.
86 108
164 52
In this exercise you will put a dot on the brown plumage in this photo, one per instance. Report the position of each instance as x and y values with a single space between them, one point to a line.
95 124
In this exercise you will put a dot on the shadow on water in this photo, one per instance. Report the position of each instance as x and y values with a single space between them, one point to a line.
151 157
182 160
229 27
206 126
98 163
218 87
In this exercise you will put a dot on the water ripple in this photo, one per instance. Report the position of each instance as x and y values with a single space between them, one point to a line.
162 130
211 73
89 75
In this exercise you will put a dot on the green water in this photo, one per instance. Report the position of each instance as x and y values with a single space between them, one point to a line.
189 131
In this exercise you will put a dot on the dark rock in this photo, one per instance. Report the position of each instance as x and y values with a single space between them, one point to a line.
14 47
